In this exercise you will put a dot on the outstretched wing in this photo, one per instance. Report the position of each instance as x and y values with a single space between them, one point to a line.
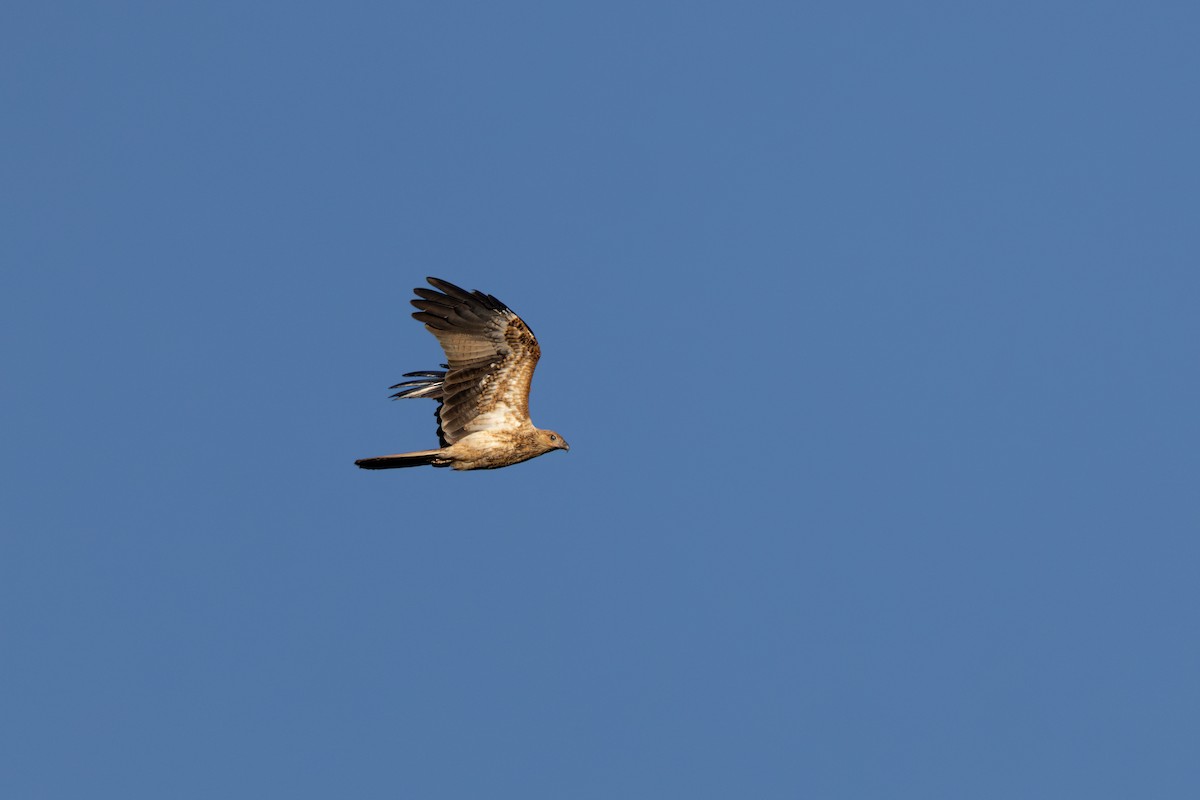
491 354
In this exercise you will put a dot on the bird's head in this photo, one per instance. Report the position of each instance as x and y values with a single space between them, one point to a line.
553 441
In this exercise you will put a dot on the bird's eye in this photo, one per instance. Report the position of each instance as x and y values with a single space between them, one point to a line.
553 438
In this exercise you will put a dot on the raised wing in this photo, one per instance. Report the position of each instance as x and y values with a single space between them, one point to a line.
491 354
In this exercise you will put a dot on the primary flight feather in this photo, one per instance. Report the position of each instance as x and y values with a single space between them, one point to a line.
483 394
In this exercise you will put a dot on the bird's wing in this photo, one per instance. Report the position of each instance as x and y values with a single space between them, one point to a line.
491 354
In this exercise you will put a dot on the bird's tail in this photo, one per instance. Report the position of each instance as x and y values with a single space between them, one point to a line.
420 458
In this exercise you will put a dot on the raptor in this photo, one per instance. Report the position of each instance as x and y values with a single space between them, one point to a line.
482 391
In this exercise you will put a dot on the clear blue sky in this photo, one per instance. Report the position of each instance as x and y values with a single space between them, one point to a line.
873 327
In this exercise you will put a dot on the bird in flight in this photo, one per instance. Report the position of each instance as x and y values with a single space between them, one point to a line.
483 393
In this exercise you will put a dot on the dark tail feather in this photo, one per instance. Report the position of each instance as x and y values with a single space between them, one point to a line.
421 458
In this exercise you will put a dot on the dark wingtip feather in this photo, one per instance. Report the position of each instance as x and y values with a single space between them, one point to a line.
430 294
449 288
432 320
433 307
456 292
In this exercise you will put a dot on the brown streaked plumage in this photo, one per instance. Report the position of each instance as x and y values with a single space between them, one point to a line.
483 394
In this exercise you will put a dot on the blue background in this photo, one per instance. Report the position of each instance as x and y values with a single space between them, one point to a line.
873 328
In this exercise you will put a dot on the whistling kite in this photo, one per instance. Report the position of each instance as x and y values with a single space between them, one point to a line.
483 396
